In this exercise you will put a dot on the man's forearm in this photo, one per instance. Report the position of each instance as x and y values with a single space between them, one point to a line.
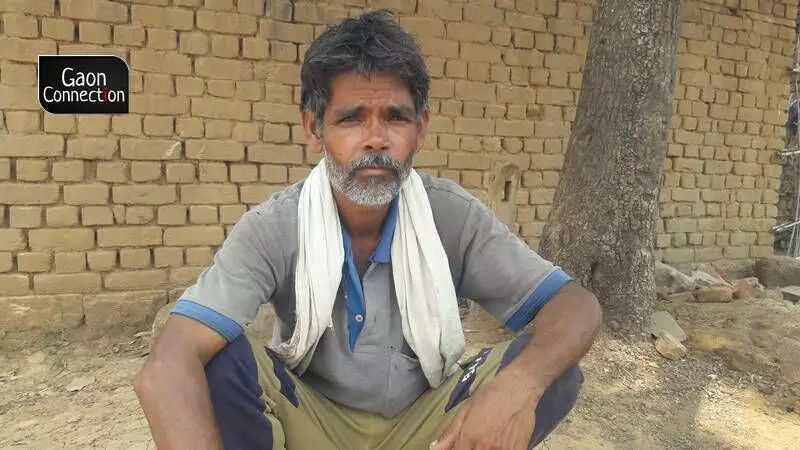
563 332
177 404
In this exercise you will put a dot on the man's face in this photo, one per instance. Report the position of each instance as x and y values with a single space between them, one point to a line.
369 137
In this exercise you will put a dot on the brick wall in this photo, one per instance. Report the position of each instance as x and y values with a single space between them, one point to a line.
723 177
95 207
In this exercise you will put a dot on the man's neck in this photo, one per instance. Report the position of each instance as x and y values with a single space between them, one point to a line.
360 221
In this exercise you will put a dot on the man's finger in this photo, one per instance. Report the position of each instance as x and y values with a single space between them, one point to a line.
450 434
448 438
445 443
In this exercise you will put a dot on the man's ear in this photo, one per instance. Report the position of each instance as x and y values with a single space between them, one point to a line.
314 142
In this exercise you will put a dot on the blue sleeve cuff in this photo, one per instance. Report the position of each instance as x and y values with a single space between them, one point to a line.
543 293
226 327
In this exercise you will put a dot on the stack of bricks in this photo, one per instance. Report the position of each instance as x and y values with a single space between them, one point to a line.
96 209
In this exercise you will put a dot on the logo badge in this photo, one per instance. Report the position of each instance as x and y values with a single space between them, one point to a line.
83 84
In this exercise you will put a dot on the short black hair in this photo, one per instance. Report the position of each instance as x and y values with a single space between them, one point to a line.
371 43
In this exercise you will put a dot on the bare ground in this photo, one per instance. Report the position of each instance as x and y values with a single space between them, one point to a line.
632 399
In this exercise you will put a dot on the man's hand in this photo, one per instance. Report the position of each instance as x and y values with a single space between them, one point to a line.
500 415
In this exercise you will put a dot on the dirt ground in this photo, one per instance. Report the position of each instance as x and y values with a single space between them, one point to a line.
77 395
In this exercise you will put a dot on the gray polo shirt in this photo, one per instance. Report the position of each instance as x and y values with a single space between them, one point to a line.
364 361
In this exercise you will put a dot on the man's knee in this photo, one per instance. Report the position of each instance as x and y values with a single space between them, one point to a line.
233 367
557 400
556 403
232 377
236 397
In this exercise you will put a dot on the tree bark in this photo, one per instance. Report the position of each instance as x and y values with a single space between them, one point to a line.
601 229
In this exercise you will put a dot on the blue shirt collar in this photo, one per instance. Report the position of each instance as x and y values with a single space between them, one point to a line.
382 253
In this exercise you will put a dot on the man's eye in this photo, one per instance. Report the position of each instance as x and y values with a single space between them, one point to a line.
348 119
398 118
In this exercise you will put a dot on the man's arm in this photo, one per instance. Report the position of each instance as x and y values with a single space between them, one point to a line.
172 387
563 332
517 286
501 413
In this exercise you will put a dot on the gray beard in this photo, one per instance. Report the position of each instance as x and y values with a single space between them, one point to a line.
377 190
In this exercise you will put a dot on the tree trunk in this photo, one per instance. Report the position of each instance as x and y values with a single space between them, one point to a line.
601 229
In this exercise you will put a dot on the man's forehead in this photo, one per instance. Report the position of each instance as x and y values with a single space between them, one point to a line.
354 89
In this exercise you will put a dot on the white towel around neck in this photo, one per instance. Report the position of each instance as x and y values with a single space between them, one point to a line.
423 285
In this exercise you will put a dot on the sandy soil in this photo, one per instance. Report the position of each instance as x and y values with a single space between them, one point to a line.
77 395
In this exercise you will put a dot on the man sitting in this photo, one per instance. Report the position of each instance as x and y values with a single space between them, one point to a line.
363 262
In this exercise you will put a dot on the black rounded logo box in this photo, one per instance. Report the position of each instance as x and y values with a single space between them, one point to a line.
83 84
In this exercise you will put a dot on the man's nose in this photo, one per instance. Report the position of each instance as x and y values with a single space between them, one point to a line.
377 138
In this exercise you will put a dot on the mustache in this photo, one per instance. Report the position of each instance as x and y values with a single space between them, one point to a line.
381 160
